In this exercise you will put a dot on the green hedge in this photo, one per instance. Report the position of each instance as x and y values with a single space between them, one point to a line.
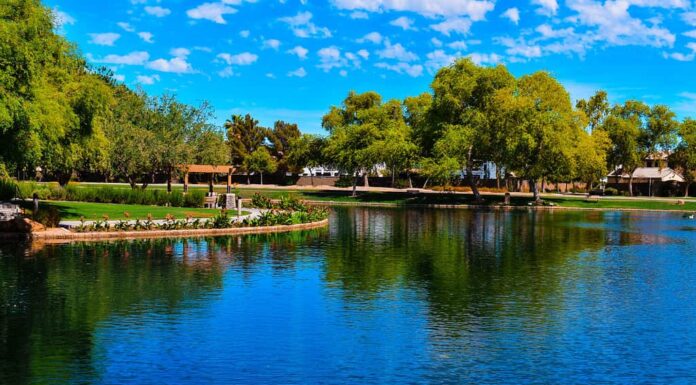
136 196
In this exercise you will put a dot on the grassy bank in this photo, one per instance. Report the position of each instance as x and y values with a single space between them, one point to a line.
97 211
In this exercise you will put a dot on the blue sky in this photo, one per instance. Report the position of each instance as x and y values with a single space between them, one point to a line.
293 59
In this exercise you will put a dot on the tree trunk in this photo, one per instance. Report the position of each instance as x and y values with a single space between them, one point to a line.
169 180
248 178
64 178
393 176
410 181
470 175
367 181
497 176
355 184
131 182
543 185
472 183
425 184
630 184
311 177
261 174
535 190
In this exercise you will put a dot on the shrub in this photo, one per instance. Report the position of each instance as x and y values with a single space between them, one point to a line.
261 201
48 216
291 203
344 181
611 191
8 189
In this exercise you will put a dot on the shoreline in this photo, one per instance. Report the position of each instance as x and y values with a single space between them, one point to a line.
59 235
492 207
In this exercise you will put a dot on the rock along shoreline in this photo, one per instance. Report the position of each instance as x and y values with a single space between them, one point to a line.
60 235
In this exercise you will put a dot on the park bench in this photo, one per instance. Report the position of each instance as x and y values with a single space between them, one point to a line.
210 202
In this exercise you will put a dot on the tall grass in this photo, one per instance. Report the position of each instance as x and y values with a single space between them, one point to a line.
152 197
8 189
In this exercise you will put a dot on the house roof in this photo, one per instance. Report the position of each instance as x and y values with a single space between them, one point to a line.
664 174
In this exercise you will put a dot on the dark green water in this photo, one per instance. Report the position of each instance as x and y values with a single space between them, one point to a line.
381 296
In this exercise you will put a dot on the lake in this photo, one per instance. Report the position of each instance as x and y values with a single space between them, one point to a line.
380 296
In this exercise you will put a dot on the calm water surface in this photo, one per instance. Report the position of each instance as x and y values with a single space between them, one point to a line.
381 296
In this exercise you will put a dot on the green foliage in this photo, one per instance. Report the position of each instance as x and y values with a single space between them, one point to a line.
344 181
610 191
260 161
47 216
8 189
261 201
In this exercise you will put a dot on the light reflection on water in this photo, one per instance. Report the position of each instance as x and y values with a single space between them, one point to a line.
381 296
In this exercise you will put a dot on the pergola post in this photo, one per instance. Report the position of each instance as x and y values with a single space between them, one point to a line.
210 183
186 175
229 181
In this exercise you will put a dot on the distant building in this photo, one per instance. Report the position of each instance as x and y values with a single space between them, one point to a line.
653 179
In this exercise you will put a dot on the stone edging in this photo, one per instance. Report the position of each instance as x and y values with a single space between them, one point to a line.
66 235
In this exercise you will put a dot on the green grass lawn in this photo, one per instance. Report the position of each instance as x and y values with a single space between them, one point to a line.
93 211
403 198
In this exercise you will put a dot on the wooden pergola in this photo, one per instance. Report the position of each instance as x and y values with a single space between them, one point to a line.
208 169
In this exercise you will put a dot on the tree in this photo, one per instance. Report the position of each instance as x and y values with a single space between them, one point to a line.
353 130
260 161
210 148
596 108
244 136
684 157
175 127
636 132
281 139
461 117
538 121
306 151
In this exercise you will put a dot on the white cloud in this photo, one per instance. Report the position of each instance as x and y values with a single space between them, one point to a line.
211 11
119 77
436 42
485 58
546 7
177 65
458 45
126 26
241 59
363 54
689 56
146 36
512 14
689 18
61 18
411 70
373 37
458 25
271 43
519 48
244 33
147 80
330 57
270 75
133 58
108 38
299 73
397 52
299 51
157 11
438 59
359 15
614 25
302 26
691 34
404 23
473 9
180 52
226 72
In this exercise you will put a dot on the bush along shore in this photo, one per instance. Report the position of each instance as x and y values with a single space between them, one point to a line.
289 211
